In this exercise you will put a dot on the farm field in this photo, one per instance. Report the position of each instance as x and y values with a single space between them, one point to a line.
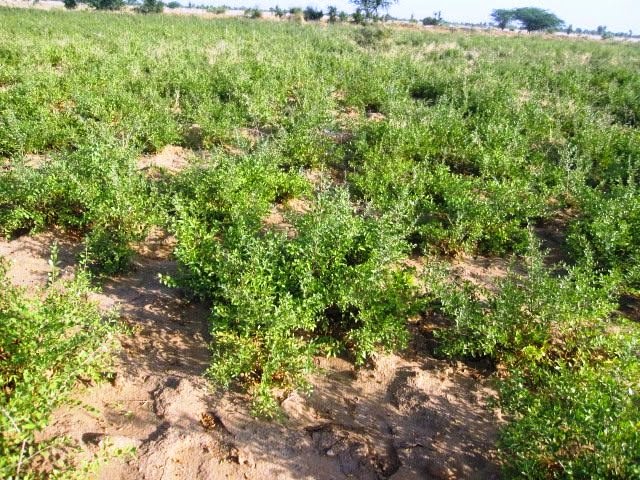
246 249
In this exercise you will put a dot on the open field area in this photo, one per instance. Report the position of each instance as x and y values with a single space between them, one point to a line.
261 249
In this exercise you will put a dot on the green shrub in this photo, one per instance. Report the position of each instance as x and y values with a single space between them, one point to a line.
332 12
253 13
571 375
534 312
220 10
358 17
311 14
372 36
150 6
609 224
45 346
92 191
333 286
106 4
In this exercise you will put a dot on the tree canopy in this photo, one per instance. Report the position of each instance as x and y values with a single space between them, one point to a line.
531 18
503 17
371 7
106 4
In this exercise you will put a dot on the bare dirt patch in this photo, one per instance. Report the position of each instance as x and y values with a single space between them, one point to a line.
29 257
630 307
277 217
31 160
35 160
479 270
320 179
158 245
375 116
404 416
553 237
172 159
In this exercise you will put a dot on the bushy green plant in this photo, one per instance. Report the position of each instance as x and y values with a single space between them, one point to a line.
571 376
610 225
332 286
433 21
311 14
84 192
106 4
534 314
332 12
150 6
253 13
45 346
220 10
358 17
371 36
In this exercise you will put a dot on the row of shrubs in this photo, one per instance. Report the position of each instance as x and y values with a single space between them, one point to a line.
435 146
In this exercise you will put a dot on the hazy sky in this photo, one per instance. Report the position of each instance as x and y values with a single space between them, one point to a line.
617 15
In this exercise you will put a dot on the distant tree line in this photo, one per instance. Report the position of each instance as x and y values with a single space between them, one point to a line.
146 6
368 10
528 18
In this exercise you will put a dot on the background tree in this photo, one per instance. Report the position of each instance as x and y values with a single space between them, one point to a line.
432 21
358 17
70 4
253 13
106 4
311 14
333 14
535 19
370 8
503 17
150 6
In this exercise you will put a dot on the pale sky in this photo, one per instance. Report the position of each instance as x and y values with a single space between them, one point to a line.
617 15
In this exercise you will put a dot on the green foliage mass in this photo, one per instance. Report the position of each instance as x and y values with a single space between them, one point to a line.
329 285
45 345
572 384
94 191
151 6
610 225
531 18
396 142
106 4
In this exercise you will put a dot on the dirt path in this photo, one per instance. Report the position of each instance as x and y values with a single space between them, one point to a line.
406 416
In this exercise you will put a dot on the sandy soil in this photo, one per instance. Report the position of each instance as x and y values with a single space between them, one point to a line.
405 416
172 159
